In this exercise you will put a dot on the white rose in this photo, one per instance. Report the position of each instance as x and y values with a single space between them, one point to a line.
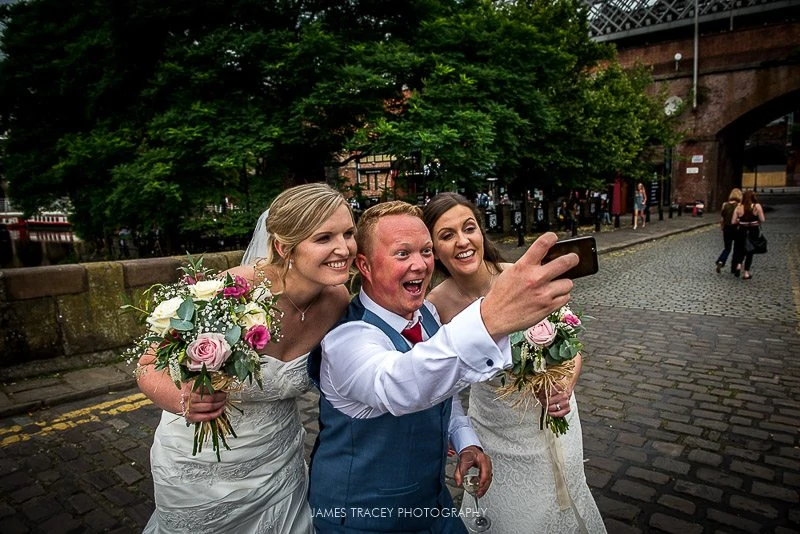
159 318
261 293
253 315
206 289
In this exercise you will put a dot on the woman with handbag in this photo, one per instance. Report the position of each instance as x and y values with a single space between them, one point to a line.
748 215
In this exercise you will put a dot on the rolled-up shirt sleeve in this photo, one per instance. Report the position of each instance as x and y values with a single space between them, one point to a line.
363 375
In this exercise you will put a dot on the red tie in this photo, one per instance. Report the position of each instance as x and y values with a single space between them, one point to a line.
414 333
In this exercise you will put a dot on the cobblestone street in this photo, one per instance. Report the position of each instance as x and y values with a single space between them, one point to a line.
689 394
689 401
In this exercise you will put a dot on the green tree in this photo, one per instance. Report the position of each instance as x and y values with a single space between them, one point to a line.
143 112
517 90
147 112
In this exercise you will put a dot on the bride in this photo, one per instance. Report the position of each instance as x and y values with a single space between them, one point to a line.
303 244
538 484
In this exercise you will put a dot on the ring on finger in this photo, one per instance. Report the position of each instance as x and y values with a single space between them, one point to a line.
558 407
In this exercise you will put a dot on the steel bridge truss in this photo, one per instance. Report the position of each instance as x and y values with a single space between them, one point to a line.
611 20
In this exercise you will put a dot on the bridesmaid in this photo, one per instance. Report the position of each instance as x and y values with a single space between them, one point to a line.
539 484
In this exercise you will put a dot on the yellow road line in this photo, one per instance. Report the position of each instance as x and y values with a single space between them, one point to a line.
16 434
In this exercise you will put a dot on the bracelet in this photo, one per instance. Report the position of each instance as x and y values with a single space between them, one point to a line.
183 404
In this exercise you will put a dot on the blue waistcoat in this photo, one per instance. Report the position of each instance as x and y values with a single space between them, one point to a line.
386 465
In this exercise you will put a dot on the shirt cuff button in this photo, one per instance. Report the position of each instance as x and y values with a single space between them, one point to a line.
489 363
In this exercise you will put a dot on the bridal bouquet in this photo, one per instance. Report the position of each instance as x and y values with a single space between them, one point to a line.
207 328
543 358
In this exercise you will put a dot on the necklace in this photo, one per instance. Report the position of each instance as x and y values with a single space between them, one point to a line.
492 276
301 312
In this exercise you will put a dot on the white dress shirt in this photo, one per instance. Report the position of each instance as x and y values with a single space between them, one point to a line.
363 376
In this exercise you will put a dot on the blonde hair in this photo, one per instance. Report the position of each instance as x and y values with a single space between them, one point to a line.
736 194
295 214
370 218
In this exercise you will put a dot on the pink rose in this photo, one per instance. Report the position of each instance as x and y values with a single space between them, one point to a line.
541 334
239 288
210 349
571 319
257 337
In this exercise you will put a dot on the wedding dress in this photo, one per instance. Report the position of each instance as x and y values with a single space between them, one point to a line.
259 486
523 496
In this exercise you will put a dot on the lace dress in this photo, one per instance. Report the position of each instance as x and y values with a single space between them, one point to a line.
261 483
523 495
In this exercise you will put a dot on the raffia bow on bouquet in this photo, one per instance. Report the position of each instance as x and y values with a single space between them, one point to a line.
543 359
207 328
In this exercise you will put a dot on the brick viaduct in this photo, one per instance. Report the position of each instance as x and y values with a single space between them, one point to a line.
746 78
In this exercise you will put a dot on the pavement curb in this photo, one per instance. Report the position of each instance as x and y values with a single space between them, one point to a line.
25 407
612 248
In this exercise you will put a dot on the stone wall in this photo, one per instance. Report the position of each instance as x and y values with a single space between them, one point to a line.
67 316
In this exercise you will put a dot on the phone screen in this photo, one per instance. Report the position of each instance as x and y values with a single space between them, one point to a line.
584 247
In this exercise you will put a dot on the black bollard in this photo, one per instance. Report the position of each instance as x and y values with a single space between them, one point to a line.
660 213
520 236
670 211
647 214
616 220
597 213
574 227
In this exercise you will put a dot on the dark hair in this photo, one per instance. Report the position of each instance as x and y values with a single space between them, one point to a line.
442 203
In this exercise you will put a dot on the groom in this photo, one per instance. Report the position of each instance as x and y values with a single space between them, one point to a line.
388 373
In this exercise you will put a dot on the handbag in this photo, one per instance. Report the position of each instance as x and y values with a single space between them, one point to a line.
756 245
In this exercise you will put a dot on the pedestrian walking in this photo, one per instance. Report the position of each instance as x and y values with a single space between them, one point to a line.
605 216
639 205
748 215
728 229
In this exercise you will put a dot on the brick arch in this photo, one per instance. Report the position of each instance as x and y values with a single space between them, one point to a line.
759 96
731 137
732 106
746 78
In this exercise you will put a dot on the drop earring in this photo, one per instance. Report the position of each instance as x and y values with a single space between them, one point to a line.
290 264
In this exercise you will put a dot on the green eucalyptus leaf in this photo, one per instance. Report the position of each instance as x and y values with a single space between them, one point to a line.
242 369
186 310
233 335
516 337
181 326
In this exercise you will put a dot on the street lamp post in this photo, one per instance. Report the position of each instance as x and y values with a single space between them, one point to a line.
755 170
754 159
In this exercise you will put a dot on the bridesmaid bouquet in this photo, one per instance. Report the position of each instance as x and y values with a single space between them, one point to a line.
543 358
207 328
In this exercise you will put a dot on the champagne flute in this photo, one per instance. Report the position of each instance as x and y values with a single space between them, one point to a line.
471 483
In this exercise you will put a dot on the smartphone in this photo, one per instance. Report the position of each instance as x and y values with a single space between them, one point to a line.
584 247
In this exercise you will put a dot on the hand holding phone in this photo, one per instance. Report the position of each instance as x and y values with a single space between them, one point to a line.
584 247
